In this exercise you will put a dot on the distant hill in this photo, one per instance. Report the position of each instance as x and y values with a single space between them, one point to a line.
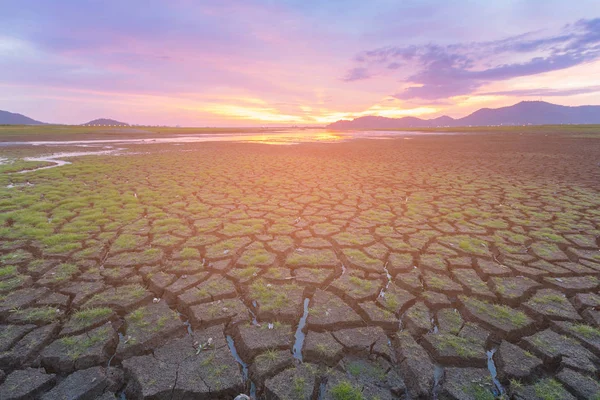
523 113
8 118
105 122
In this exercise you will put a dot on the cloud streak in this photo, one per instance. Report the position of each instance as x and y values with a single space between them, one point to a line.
543 92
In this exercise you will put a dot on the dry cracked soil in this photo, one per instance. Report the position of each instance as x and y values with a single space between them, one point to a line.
449 267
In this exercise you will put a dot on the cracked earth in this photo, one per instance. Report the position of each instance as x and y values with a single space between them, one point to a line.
462 267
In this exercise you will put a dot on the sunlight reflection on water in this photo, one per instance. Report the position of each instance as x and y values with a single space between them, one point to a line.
285 137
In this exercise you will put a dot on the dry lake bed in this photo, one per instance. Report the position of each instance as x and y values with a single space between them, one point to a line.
341 267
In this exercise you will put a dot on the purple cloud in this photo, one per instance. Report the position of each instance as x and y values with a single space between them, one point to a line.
443 71
357 74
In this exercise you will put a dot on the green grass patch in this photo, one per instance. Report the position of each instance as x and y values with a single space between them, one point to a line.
346 391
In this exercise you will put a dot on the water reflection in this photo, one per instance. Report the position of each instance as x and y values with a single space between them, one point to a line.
285 137
57 161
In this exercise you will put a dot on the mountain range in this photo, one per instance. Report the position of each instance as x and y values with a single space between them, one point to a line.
8 118
523 113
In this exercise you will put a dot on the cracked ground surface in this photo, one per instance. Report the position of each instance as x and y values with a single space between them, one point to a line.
462 267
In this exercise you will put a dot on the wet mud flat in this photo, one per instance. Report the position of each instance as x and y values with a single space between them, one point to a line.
463 267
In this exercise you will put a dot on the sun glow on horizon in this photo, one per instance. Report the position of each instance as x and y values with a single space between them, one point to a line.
258 110
236 112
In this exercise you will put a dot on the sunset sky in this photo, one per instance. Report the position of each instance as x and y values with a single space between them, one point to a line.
253 62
